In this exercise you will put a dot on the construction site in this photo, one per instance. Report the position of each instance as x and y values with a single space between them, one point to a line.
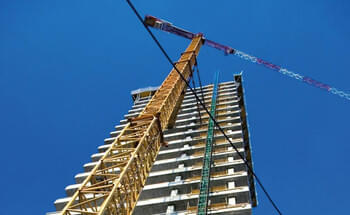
174 153
181 149
174 91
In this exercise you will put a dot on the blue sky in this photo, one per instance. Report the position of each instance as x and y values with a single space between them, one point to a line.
67 69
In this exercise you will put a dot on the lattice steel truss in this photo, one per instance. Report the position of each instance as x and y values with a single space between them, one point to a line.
115 183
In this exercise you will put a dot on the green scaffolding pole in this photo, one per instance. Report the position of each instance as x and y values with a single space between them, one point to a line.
205 179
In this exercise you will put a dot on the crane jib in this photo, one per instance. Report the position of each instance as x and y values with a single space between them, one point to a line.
170 28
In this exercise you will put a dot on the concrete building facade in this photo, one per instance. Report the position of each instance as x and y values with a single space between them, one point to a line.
173 184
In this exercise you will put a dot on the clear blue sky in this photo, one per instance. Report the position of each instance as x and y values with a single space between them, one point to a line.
67 69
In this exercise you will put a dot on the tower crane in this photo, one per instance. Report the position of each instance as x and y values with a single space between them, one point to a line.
115 183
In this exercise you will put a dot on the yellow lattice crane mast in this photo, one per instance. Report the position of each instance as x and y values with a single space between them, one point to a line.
115 183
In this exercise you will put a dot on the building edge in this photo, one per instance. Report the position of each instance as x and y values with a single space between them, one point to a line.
246 137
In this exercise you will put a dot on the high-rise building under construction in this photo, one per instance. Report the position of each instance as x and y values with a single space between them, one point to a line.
197 167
